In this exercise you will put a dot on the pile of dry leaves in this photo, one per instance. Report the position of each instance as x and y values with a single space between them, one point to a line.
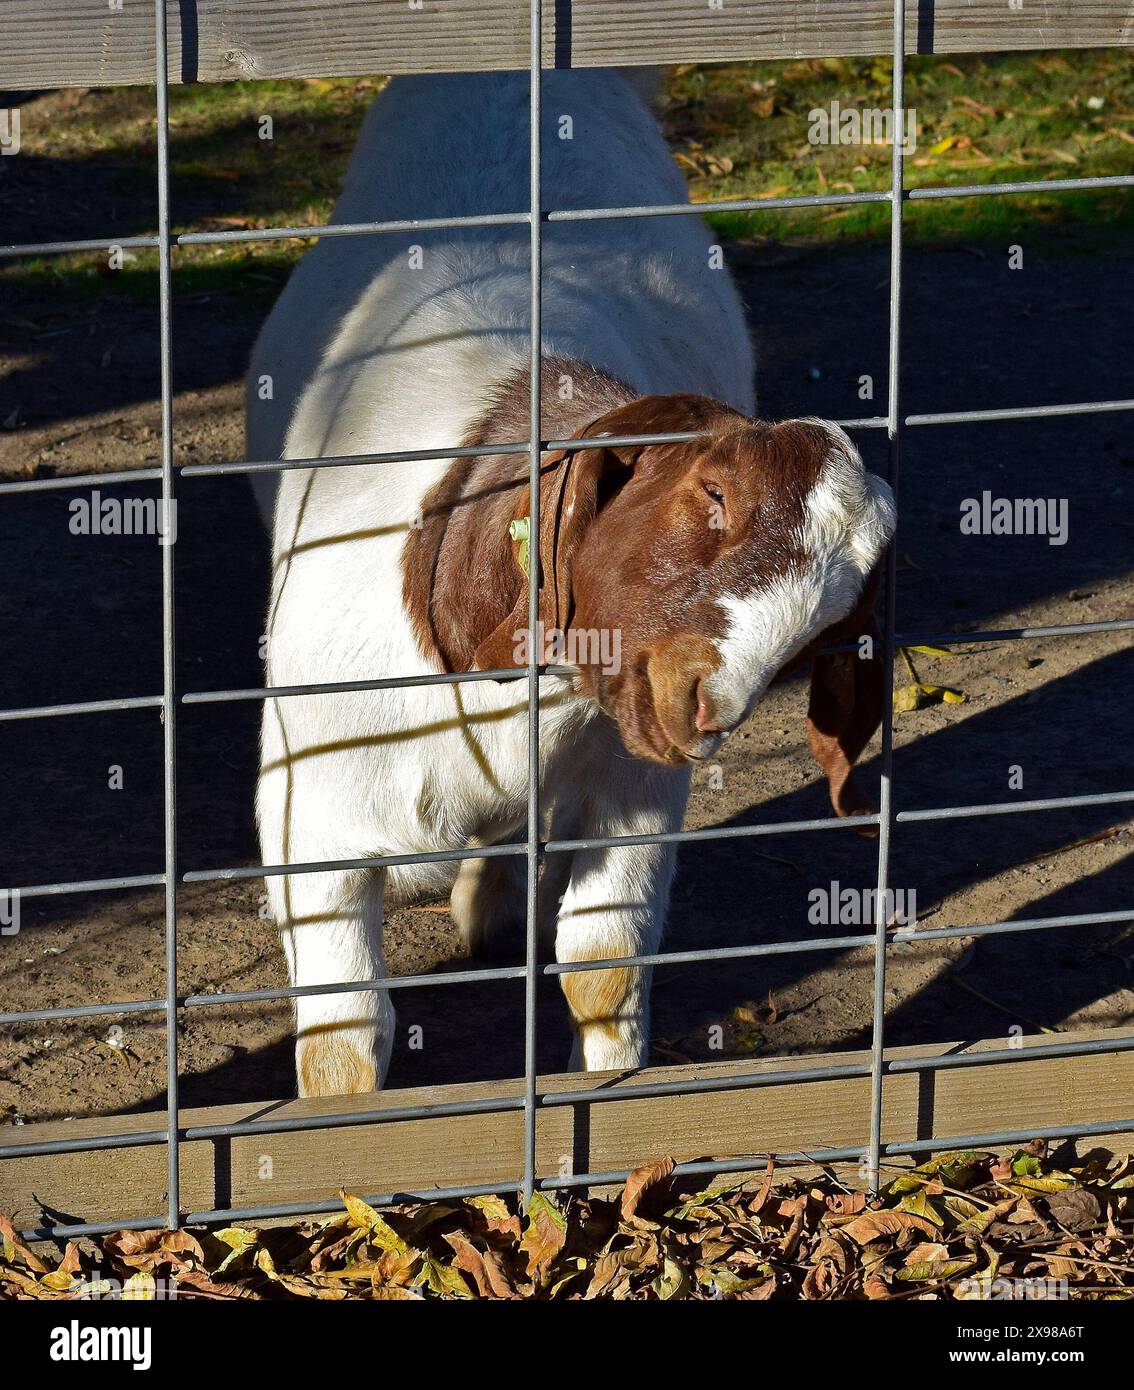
965 1225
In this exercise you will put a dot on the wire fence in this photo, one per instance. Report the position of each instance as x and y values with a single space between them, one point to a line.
529 1099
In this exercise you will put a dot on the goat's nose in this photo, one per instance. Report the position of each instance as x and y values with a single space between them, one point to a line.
705 718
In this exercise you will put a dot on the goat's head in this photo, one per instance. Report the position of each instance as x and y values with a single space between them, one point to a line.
716 562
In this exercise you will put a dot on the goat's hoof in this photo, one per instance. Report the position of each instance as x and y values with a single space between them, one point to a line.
502 941
331 1066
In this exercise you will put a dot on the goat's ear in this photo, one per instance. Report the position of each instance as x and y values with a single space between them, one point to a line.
504 646
575 485
845 707
588 478
568 502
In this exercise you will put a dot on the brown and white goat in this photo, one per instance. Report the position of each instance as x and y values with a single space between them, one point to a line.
679 579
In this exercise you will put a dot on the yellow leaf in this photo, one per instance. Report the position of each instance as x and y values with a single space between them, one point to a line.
359 1272
942 145
1044 1183
935 1269
442 1279
544 1237
238 1240
915 696
378 1230
920 1205
956 1169
673 1283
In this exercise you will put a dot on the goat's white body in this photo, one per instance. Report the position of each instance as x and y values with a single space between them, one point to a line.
374 348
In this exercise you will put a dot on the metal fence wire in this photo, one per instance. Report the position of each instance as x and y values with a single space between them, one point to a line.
530 1100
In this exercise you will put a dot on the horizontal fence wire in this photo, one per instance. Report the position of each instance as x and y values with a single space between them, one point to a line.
533 847
283 692
384 861
702 1168
901 936
201 470
317 231
697 1085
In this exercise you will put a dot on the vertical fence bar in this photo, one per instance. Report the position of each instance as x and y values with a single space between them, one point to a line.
893 434
169 682
536 270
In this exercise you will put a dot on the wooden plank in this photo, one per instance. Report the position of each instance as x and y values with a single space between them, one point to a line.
90 43
311 1165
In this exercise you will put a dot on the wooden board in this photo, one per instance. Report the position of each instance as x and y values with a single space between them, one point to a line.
89 43
311 1165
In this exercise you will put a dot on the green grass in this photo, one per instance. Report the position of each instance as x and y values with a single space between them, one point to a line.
737 131
223 176
742 132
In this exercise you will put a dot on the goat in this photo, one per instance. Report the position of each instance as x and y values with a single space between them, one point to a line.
707 567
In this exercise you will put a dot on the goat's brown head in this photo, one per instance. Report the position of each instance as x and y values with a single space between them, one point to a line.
713 564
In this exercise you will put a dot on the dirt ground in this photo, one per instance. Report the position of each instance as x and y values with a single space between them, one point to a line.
81 620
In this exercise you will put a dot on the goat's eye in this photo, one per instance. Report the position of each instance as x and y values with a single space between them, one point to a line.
715 492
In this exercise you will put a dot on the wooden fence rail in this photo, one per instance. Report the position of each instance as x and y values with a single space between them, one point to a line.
101 43
407 1155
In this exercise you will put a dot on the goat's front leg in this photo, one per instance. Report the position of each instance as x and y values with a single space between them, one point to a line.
331 926
615 905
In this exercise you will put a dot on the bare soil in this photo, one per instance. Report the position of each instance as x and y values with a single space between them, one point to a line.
81 621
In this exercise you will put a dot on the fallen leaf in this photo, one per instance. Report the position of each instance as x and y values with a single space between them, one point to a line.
673 1282
485 1266
915 696
544 1236
1075 1209
876 1225
641 1181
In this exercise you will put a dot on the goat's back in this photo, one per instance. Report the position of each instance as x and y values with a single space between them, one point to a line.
373 341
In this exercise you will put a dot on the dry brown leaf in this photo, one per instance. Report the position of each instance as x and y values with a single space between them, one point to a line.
494 1212
757 1203
14 1247
485 1266
139 1250
1075 1208
846 1203
876 1225
544 1237
641 1181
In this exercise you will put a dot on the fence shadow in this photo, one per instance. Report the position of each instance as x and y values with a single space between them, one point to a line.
755 891
82 621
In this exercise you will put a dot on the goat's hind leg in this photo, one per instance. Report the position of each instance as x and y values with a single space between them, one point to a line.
487 904
488 900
